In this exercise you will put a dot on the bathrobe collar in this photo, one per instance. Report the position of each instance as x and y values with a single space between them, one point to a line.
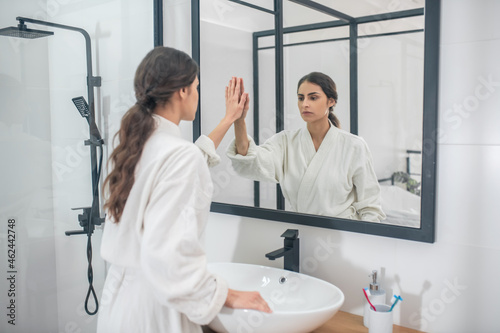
325 144
166 125
315 161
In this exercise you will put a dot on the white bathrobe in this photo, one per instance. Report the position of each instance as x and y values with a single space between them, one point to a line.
158 281
337 180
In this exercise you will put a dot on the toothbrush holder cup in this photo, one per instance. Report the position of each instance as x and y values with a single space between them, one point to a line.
381 321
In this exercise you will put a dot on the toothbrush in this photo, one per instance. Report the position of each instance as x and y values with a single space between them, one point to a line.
367 293
398 298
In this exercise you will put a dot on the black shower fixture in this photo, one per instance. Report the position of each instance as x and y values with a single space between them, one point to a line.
22 31
92 81
83 108
91 215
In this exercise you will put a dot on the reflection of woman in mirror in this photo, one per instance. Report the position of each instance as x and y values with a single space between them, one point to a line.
321 169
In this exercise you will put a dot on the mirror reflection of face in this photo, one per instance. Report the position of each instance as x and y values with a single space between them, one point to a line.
192 100
313 102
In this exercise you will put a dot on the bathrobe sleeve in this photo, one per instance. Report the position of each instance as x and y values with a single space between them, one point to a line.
261 163
172 257
368 202
207 148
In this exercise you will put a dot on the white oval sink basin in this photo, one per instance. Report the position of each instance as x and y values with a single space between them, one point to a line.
300 303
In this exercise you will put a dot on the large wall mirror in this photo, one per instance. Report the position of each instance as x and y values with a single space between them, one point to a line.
383 57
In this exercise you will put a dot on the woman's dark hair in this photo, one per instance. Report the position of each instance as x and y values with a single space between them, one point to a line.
161 73
329 88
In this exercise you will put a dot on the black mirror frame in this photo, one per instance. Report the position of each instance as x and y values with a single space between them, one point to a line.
426 232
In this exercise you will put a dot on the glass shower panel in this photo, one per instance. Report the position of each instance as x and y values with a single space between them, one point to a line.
45 169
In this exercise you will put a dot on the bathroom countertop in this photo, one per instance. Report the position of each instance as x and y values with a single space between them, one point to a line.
344 322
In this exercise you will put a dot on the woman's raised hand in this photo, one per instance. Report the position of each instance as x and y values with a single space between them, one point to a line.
247 100
237 101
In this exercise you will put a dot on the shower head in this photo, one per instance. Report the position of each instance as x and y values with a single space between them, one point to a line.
23 32
82 106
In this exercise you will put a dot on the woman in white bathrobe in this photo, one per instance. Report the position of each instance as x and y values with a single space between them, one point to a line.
321 169
159 199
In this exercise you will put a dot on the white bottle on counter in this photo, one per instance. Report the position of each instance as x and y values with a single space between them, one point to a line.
377 297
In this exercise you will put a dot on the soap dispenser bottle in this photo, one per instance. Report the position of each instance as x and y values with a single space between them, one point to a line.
377 297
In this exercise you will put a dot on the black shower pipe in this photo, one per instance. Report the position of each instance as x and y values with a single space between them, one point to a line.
92 81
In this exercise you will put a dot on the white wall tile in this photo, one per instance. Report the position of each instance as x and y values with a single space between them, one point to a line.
430 304
469 93
116 97
122 45
469 20
177 24
468 196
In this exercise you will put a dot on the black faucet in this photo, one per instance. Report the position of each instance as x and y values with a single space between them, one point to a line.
290 250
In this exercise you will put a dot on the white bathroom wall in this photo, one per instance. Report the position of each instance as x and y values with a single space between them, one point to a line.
448 286
28 276
45 165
